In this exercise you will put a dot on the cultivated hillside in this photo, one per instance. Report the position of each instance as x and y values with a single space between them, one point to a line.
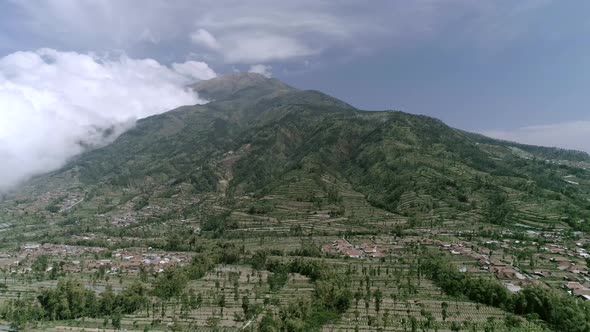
263 153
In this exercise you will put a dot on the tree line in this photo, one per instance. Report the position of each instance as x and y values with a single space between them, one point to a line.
331 298
72 300
558 311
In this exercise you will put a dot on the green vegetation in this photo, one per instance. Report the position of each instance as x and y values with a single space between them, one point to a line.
560 312
252 213
71 300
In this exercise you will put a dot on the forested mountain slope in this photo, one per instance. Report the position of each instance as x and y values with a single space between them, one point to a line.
257 135
305 205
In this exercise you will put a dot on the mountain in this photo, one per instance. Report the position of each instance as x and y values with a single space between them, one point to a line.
263 155
240 85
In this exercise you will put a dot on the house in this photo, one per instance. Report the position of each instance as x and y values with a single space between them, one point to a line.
581 292
343 247
352 253
577 269
329 249
560 259
368 249
507 273
476 270
484 251
572 285
497 262
484 261
572 277
512 287
31 247
378 254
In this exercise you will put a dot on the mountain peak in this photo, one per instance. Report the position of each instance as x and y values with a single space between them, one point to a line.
227 86
242 77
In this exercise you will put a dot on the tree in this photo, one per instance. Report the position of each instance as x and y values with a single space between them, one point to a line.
212 322
246 306
259 259
385 318
414 324
278 278
221 303
357 297
499 211
170 284
267 323
444 306
378 296
116 320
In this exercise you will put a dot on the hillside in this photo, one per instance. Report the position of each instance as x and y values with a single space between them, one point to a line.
286 208
260 137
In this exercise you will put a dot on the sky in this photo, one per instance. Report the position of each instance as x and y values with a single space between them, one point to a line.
76 73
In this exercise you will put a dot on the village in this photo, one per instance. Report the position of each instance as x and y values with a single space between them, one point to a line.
346 249
556 265
78 259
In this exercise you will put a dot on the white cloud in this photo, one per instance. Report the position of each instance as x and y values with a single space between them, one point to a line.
263 47
195 69
264 31
148 36
50 101
261 69
204 38
568 135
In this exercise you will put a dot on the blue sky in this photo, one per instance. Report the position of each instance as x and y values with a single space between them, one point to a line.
517 70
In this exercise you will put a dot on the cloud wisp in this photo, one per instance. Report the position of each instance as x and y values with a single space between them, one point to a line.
573 135
53 104
264 70
267 31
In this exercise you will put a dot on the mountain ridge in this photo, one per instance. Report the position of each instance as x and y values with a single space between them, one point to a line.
279 181
261 131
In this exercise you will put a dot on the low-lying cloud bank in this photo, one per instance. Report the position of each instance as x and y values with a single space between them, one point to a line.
573 135
53 103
